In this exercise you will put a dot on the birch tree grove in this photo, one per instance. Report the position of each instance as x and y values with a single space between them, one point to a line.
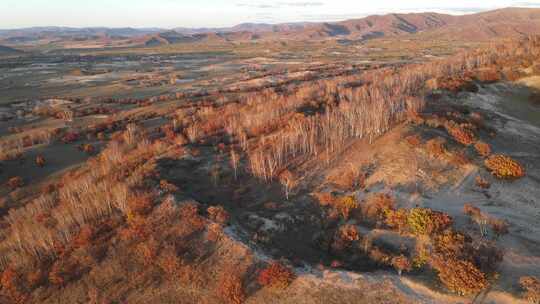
367 111
273 128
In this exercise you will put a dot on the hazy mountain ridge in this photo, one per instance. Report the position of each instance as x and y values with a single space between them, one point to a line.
502 23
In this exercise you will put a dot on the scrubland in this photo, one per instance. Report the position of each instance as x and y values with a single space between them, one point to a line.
243 193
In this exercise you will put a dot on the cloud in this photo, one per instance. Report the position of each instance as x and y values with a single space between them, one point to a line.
281 4
301 4
257 5
466 10
527 4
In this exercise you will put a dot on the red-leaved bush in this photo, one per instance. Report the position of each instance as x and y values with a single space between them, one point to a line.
276 276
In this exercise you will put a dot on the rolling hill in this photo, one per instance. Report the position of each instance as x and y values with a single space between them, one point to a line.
502 23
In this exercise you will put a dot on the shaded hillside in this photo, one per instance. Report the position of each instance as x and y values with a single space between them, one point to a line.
57 31
386 25
503 23
4 50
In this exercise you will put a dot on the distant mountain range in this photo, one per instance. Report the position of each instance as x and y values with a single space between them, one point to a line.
510 22
71 31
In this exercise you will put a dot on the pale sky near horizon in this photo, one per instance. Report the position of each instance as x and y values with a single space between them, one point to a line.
218 13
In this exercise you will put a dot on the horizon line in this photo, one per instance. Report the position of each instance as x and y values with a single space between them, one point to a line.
455 12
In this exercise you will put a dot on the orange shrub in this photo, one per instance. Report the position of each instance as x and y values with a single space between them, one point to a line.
345 235
376 207
482 148
147 251
169 262
40 161
504 167
500 227
427 221
140 205
70 137
379 256
402 263
346 205
482 182
276 276
460 134
167 187
435 147
36 278
230 288
84 237
531 285
349 179
461 276
218 215
488 76
471 210
413 140
397 219
63 271
15 182
459 158
325 198
88 149
12 285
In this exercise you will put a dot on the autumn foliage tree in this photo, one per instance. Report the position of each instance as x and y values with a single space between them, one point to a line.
287 179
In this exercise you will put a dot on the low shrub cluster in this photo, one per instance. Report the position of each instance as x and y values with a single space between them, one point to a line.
462 265
402 263
436 147
218 214
460 134
15 182
424 221
346 205
276 276
461 276
482 148
344 237
504 167
482 182
40 161
531 285
375 208
230 288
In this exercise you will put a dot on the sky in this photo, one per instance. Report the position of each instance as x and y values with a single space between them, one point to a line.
219 13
